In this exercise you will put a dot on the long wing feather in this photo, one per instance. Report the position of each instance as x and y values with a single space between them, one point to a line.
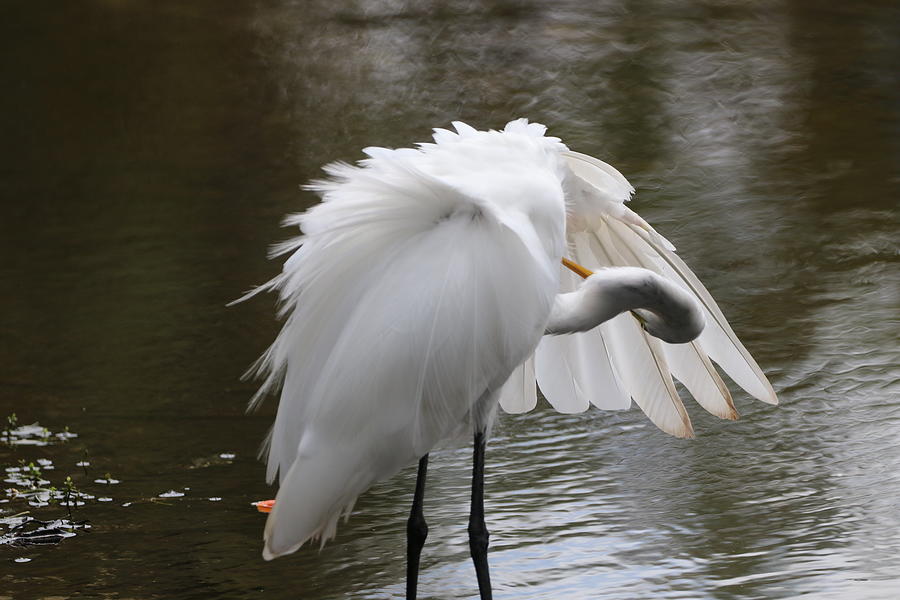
638 358
609 188
575 371
691 366
718 339
689 362
519 393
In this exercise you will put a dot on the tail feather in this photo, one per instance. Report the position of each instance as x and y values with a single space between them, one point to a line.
317 490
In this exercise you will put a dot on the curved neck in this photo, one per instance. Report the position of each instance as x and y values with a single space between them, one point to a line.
665 310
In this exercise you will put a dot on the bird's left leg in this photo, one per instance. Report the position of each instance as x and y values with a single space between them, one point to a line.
416 532
478 533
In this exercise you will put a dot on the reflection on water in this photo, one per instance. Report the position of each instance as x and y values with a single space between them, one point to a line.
150 151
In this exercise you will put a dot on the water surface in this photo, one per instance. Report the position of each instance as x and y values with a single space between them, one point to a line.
150 149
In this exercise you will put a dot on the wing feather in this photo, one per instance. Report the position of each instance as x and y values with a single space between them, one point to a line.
718 340
605 179
638 358
618 360
574 371
689 363
692 367
519 393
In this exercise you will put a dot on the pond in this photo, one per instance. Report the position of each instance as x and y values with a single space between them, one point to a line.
150 150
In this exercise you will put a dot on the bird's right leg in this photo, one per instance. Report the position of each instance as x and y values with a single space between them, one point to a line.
478 533
416 532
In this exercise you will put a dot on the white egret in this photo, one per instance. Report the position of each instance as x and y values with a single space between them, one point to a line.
415 302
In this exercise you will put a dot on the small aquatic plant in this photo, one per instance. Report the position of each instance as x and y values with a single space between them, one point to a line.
107 479
70 493
12 422
32 473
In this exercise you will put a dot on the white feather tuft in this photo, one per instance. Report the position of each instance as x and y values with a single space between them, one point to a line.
421 281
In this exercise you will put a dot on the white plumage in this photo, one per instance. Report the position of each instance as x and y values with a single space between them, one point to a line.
421 288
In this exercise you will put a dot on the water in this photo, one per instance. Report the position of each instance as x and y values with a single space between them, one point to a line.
149 151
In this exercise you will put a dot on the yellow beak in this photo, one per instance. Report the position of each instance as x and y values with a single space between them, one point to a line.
584 273
577 269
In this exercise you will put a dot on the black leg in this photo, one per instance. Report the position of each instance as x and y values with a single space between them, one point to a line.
478 533
416 532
